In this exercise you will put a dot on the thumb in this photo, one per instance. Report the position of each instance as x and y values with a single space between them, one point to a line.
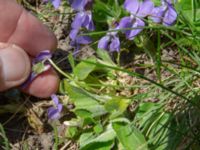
14 66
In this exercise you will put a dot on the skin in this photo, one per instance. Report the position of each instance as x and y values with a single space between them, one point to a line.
22 37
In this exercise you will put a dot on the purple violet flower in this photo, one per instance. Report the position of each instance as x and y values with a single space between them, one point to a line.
83 19
55 3
165 14
131 22
78 40
39 65
54 111
42 56
110 42
138 10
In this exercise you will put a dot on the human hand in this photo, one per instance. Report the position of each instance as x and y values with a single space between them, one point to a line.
22 37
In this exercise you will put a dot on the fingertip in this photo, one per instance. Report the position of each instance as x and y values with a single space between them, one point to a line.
44 85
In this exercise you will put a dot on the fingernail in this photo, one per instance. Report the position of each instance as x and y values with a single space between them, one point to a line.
15 65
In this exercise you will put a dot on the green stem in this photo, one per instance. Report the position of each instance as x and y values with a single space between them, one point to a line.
150 27
158 58
65 74
59 70
5 139
193 10
151 126
56 140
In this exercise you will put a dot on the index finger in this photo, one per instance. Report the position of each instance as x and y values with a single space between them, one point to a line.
23 29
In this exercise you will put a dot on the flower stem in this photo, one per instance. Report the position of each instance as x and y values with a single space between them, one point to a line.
59 70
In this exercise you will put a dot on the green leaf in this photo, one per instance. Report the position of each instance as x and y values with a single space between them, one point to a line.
130 137
116 104
83 101
98 128
104 56
71 60
71 132
85 137
104 141
100 146
83 69
83 113
122 120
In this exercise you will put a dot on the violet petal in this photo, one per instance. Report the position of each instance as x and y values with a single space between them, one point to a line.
90 26
46 54
73 34
55 99
59 107
53 113
132 33
115 44
170 16
83 40
103 42
157 14
126 22
31 77
132 6
83 19
145 8
78 20
78 5
88 22
56 3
